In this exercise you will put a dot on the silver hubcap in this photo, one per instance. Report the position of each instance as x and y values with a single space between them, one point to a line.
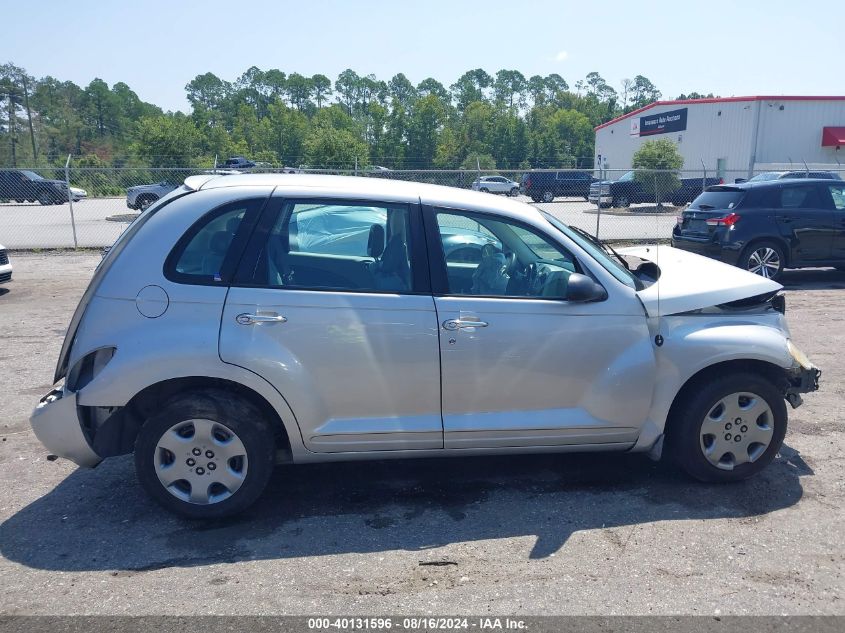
548 197
622 202
200 461
738 429
764 261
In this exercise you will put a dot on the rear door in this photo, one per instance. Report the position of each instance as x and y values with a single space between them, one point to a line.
331 305
806 220
837 201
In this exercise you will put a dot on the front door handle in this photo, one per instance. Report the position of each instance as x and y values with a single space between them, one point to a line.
460 324
252 319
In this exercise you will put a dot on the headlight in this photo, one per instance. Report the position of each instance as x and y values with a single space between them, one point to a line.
799 356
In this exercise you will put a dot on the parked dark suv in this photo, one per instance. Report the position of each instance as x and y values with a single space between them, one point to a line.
22 185
545 186
767 226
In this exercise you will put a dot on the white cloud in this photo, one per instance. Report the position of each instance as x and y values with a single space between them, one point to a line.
562 56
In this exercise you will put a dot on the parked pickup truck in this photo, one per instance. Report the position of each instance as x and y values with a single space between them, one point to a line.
627 191
545 186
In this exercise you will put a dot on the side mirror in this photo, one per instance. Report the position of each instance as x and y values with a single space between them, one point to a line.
582 288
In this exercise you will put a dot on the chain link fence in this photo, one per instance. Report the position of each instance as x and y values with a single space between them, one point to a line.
90 207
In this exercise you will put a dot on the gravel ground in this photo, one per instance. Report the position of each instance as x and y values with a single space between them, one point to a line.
572 534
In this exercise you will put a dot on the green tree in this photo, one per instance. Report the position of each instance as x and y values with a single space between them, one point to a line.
656 164
167 141
328 147
322 88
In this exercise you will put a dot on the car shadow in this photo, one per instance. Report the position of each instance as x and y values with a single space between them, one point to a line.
813 279
101 520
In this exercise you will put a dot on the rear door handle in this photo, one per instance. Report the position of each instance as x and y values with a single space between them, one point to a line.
460 324
252 319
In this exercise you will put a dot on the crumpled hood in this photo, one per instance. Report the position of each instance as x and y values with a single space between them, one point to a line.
689 281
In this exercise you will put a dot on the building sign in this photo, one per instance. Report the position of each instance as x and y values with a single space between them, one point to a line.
672 121
635 127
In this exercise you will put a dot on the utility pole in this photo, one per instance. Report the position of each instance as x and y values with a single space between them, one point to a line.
29 117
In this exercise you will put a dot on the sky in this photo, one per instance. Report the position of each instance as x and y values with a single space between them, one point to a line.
762 47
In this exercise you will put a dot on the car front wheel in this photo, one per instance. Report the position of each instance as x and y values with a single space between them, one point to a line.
729 428
44 198
206 454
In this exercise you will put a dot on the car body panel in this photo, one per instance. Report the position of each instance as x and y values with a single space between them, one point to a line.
690 282
358 368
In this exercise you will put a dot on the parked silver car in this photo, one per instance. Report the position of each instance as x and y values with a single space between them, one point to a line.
5 266
142 196
218 337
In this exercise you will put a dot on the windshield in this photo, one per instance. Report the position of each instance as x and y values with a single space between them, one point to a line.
610 264
627 177
31 175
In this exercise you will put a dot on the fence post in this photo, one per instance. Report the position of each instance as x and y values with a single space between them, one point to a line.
598 202
70 201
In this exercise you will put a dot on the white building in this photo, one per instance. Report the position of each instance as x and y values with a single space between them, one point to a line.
733 136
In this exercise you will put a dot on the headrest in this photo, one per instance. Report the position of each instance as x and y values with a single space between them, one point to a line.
375 243
220 242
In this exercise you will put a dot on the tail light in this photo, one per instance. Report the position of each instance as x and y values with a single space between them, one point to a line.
721 181
729 220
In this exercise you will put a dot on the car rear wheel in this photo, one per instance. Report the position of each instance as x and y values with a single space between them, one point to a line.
206 454
621 202
484 190
45 198
514 192
765 259
729 428
548 196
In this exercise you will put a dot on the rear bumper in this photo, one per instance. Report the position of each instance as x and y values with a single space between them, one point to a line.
56 425
728 253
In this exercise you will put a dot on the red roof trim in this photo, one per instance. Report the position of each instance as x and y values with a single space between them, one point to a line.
719 100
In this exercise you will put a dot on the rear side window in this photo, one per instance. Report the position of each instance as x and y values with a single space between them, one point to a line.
205 253
805 197
837 192
719 199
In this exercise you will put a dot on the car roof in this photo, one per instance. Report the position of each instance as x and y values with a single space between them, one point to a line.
377 188
762 184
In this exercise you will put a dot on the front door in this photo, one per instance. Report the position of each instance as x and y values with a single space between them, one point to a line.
521 365
806 222
329 307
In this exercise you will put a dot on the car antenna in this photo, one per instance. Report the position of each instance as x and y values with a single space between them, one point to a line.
807 169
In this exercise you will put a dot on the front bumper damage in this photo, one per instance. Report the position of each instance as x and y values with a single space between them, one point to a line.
801 380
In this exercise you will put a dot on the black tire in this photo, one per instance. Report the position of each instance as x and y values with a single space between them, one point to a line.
484 190
621 202
537 198
45 198
514 192
684 436
548 196
244 419
758 252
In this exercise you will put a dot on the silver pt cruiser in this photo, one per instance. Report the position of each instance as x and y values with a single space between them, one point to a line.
248 320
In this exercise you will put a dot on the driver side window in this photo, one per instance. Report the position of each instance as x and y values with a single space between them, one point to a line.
491 257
